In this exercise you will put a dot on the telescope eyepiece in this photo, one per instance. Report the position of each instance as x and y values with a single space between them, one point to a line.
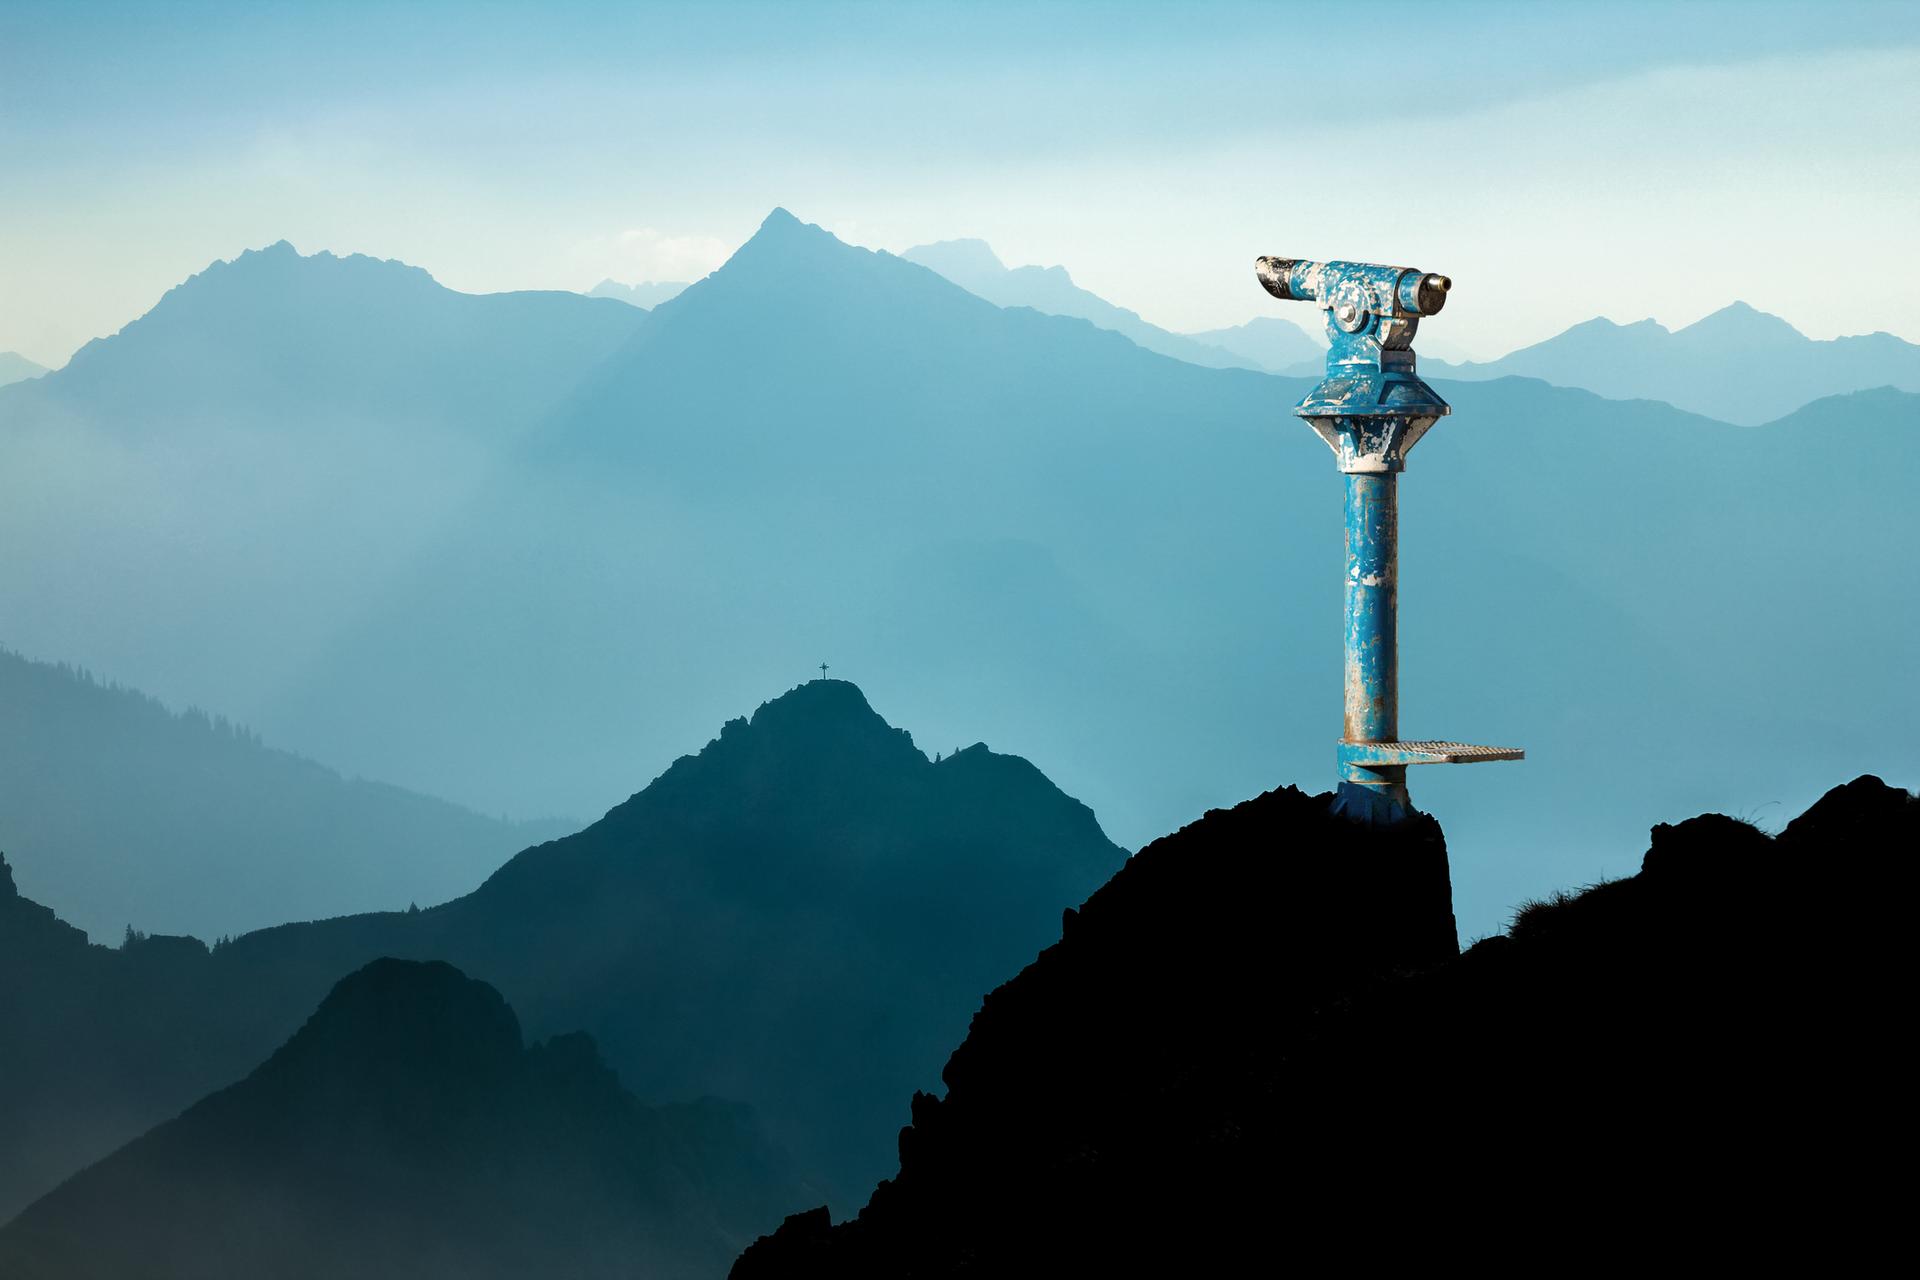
1276 276
1424 295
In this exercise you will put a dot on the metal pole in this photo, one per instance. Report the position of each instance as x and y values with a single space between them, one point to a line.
1372 632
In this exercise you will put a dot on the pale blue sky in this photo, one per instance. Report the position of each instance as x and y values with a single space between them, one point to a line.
1559 161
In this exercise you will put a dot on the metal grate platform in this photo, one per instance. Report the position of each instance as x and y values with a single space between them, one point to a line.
1424 752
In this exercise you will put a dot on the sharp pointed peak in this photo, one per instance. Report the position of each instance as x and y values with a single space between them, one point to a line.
786 236
780 225
1740 317
795 259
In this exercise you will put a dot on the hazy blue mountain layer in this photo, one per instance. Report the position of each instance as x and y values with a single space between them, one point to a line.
128 814
1256 1048
1738 364
326 341
646 295
1008 525
974 266
801 917
15 367
227 481
405 1130
1276 345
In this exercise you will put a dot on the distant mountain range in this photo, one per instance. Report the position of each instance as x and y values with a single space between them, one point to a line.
1278 346
1255 1050
801 917
131 815
1008 524
646 295
974 266
214 492
15 367
274 328
406 1131
1738 364
509 548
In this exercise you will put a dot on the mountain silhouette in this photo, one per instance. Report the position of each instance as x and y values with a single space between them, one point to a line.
289 341
405 1130
1278 346
974 266
800 917
1012 526
646 295
1738 364
1257 1044
228 474
15 367
126 813
99 1044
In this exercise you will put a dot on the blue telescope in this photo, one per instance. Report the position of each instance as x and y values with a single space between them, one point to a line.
1372 408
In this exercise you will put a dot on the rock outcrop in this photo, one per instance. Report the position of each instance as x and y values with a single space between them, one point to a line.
1255 1049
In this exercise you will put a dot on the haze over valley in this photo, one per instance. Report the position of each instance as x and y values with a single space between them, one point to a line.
516 550
720 642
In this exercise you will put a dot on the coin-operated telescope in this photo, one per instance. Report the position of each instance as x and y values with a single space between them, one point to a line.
1372 408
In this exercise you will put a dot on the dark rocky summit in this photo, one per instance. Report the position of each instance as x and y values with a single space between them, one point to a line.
1256 1047
405 1130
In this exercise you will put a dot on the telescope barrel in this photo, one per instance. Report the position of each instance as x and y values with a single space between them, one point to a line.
1289 278
1399 291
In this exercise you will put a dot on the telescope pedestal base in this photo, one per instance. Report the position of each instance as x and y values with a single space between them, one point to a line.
1375 804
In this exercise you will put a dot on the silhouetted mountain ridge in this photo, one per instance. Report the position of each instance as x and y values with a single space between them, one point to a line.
1273 344
125 812
1740 320
1257 1041
295 340
1738 364
15 367
1005 517
799 916
404 1130
974 266
26 921
646 295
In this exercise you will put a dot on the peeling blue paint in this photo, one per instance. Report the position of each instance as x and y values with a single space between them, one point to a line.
1371 409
